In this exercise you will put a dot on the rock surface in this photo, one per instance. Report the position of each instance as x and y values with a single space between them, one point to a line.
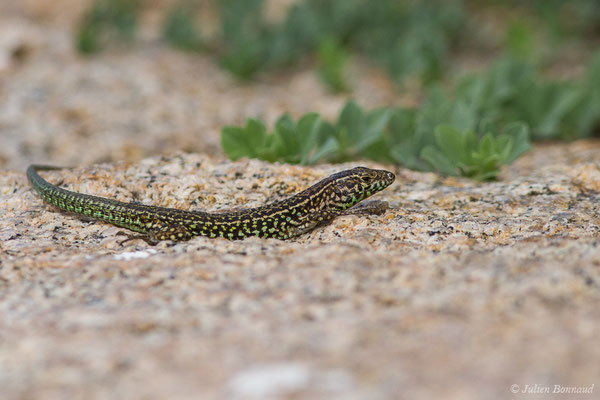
460 291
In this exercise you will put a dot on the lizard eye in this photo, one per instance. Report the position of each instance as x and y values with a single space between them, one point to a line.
366 179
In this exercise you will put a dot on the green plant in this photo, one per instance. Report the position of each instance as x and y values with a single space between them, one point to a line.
305 142
519 40
411 39
486 123
462 153
482 122
514 90
407 134
407 39
180 30
574 17
384 135
586 116
245 37
355 134
359 133
107 21
332 60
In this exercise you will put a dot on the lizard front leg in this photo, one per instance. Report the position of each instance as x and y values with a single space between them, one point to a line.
373 207
310 222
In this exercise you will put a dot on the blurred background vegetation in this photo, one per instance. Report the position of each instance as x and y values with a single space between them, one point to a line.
491 75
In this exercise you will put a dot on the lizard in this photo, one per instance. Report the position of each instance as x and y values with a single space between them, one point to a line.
284 219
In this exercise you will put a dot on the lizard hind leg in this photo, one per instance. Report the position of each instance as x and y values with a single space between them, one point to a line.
175 233
145 237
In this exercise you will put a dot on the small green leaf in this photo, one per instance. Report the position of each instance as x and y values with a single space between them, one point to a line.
107 21
323 151
88 40
331 63
565 101
521 144
439 161
285 140
487 145
450 141
309 127
180 30
376 122
505 144
402 126
519 39
249 141
351 118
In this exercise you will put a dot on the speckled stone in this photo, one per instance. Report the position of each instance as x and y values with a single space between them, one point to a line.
460 289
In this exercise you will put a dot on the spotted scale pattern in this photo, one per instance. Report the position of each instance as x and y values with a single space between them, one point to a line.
285 219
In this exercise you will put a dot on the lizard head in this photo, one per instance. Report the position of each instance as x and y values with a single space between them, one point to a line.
354 185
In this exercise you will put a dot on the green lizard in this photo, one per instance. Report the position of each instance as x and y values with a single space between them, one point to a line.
284 219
